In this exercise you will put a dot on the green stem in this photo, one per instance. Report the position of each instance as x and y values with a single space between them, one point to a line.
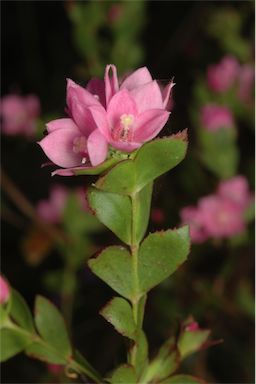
138 301
71 362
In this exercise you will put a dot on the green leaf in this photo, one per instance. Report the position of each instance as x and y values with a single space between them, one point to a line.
112 210
119 313
142 211
12 342
151 160
124 374
160 254
20 312
219 151
192 341
45 353
183 379
164 364
51 327
114 266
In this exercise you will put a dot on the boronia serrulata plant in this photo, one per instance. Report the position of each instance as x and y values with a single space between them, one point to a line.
110 132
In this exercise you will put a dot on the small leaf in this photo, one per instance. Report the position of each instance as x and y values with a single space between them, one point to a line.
112 210
190 342
51 326
124 374
12 342
183 379
45 353
119 313
114 266
160 254
151 160
20 312
164 364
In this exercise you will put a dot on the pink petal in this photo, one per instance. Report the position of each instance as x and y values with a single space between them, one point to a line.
61 124
97 147
111 83
166 93
100 117
58 147
97 88
125 146
120 104
139 77
148 96
149 124
77 93
83 117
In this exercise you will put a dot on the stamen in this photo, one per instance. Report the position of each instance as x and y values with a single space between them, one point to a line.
79 144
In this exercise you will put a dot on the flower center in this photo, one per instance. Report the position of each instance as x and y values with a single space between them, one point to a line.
123 130
79 144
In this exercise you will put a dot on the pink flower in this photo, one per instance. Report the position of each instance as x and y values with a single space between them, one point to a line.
246 83
125 116
19 114
4 290
220 216
236 190
52 210
135 112
213 117
192 216
75 141
223 75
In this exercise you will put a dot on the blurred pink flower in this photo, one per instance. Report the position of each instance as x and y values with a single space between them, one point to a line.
19 114
220 217
105 113
246 82
157 215
114 13
4 290
192 216
213 117
51 210
55 369
236 190
222 76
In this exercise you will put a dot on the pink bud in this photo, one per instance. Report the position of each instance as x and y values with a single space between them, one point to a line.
192 327
213 117
4 290
223 75
237 190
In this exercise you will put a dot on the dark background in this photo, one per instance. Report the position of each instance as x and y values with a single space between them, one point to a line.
37 55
